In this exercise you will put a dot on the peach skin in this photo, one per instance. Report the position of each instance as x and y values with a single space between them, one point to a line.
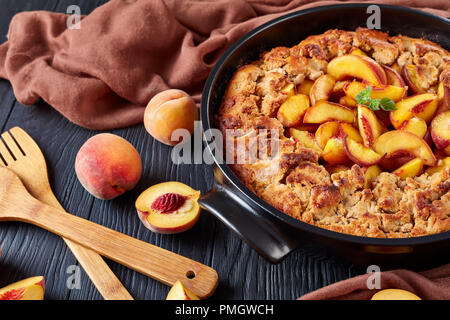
107 166
168 111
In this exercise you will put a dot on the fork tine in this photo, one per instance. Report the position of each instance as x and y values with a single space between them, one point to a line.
12 145
6 155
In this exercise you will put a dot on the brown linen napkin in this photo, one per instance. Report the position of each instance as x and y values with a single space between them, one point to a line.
429 285
102 75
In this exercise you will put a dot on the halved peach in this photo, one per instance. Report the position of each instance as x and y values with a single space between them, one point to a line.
169 207
415 125
394 93
369 126
180 292
348 101
322 88
293 109
305 87
393 77
410 169
421 105
440 131
334 151
360 154
326 131
324 111
306 138
409 72
396 142
289 89
394 294
370 174
441 164
357 66
28 289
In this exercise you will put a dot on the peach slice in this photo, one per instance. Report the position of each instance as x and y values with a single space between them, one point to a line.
410 169
393 77
334 152
394 294
400 142
346 129
421 105
394 93
370 174
336 168
369 126
357 66
322 88
415 125
348 101
293 109
289 89
360 154
357 51
306 138
440 132
180 292
409 72
338 91
28 289
305 87
326 131
324 111
169 207
442 163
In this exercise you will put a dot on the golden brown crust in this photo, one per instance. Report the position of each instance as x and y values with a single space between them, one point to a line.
293 181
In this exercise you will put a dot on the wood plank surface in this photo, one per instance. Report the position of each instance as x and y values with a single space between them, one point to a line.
28 251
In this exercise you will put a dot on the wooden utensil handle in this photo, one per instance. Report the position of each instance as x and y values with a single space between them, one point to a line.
155 262
93 264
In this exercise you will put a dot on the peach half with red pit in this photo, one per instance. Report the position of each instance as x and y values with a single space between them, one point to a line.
170 207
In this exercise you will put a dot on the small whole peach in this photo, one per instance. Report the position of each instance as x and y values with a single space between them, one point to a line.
107 166
168 111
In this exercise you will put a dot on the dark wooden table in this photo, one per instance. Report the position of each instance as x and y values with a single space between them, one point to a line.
28 251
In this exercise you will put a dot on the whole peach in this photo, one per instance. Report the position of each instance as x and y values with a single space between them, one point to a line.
168 111
108 166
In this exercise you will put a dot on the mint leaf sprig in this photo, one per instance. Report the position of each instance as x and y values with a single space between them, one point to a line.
374 104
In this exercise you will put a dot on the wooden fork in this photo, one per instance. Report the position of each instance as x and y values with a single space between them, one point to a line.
22 155
17 204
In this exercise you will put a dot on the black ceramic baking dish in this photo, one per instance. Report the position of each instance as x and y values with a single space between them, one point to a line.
269 231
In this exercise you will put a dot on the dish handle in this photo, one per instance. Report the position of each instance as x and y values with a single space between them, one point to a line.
246 221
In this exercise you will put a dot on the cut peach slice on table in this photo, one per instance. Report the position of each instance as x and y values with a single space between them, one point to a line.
324 111
180 292
322 88
410 169
28 289
352 89
334 152
442 163
370 174
394 294
360 154
306 138
293 109
370 128
305 87
440 132
393 77
169 207
357 66
421 105
409 72
415 125
393 143
326 131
